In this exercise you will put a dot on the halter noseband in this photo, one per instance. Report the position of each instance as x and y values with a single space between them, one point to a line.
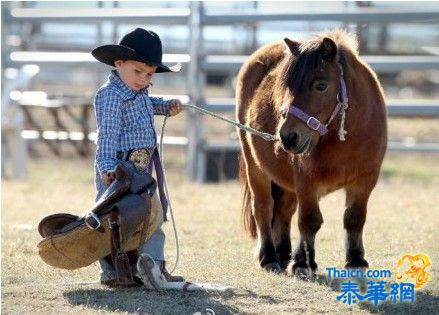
314 123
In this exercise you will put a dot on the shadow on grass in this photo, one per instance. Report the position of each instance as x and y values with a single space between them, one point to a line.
426 302
143 301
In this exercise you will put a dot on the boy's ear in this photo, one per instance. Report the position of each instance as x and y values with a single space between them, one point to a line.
118 63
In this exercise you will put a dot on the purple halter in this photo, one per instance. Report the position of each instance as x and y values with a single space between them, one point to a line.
314 123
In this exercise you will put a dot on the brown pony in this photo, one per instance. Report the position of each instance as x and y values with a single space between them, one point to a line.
327 108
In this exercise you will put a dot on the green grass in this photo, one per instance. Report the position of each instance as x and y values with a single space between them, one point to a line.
402 218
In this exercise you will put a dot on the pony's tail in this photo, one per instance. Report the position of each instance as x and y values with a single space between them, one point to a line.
247 219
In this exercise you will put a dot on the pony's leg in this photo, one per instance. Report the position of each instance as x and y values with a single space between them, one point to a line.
262 209
354 219
310 221
285 204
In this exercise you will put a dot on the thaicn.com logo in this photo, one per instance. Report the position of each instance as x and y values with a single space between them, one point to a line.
379 285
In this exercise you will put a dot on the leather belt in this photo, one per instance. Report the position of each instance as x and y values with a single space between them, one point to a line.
147 159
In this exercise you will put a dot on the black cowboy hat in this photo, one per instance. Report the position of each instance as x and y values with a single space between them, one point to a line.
139 45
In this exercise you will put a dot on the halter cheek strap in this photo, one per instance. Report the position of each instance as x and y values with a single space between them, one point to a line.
314 123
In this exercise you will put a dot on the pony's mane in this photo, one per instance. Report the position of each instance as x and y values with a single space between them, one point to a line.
298 72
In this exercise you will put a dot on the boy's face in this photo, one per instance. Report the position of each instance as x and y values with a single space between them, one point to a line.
137 75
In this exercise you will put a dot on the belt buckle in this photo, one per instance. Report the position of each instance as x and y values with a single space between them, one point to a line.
92 221
140 158
313 123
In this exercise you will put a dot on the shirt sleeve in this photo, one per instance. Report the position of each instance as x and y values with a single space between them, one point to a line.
108 122
160 106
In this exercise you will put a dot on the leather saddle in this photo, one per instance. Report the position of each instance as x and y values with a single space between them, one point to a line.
120 222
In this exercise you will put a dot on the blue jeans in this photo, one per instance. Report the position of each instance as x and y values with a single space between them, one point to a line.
154 247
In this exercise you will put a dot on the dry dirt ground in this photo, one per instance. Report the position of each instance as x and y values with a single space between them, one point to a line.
403 218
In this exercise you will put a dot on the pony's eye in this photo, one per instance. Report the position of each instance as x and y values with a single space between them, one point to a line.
321 85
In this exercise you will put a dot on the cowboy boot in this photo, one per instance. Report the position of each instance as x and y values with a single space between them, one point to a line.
167 275
155 276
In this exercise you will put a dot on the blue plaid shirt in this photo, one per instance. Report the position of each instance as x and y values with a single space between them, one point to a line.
124 120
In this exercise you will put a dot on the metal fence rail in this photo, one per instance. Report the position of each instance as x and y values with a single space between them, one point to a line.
359 15
181 15
167 16
380 64
56 59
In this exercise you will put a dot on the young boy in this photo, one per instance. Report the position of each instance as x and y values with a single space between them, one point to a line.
125 124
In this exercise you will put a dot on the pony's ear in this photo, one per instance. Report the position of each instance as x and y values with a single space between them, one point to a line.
292 46
328 49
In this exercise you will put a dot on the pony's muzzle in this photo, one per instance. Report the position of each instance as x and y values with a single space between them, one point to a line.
289 140
294 142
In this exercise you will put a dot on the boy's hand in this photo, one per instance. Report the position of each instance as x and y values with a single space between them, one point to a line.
175 107
108 177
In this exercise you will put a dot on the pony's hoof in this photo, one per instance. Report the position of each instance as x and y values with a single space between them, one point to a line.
357 262
273 267
284 264
304 273
301 270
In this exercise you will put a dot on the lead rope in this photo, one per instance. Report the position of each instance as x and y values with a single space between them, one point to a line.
264 135
344 105
341 131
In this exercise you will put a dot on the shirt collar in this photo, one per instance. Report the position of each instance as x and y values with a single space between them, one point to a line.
125 89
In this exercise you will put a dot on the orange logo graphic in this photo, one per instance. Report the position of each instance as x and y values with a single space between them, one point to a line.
415 273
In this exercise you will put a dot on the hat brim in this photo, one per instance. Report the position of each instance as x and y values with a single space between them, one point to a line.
108 54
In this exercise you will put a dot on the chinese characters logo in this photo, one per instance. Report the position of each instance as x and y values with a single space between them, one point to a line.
377 292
